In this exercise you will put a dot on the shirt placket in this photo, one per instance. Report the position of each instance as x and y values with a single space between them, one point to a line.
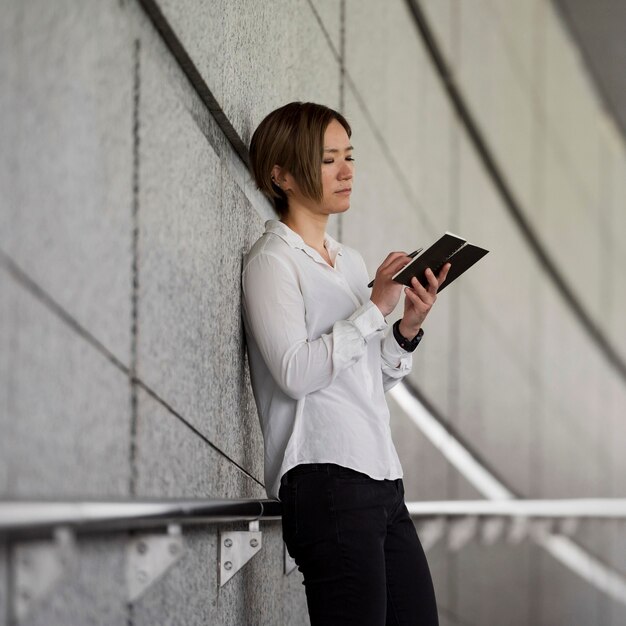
337 274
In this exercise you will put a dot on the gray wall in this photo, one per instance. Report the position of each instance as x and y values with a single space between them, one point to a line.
126 210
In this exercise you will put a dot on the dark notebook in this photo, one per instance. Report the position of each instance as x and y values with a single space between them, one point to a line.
449 249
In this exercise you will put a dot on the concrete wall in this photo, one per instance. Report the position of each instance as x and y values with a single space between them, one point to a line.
126 210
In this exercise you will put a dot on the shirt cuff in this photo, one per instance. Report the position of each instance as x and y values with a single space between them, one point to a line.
394 355
368 320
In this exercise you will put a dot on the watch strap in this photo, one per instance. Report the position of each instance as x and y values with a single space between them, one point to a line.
406 344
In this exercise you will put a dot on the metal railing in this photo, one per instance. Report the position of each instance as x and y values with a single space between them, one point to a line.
39 564
38 518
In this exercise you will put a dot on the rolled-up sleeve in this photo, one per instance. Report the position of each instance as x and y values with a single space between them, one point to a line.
274 309
396 361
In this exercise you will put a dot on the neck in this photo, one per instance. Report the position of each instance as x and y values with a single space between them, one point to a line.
311 227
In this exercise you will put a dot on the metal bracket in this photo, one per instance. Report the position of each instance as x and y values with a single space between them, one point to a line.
491 529
518 530
462 531
39 565
290 564
541 528
149 556
236 549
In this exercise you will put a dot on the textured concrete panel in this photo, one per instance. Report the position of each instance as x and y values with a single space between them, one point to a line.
491 590
571 372
598 30
617 411
498 100
617 289
574 405
195 227
571 103
92 590
67 425
615 614
256 57
564 597
194 469
9 107
572 236
292 61
4 584
71 163
190 594
7 336
604 540
425 470
500 284
379 203
435 169
440 16
517 24
403 102
329 12
385 59
493 399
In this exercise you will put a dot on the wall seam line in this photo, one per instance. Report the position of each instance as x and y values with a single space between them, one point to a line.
48 302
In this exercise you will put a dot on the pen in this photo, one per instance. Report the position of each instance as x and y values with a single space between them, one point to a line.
412 255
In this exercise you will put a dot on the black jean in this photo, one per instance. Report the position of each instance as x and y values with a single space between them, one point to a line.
357 548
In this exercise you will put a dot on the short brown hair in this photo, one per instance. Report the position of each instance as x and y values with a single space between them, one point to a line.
293 138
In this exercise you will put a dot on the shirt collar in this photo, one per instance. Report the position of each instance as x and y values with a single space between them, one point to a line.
276 227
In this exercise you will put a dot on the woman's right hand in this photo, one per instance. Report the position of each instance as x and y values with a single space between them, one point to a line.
386 292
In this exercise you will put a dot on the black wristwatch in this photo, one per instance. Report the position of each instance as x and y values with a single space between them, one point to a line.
407 344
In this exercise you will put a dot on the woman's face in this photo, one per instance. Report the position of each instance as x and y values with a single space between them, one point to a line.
337 172
337 169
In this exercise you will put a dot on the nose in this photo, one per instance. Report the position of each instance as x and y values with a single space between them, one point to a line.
345 172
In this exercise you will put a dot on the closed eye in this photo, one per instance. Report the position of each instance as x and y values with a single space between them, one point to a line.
330 161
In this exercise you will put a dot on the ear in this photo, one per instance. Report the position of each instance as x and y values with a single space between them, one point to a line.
276 175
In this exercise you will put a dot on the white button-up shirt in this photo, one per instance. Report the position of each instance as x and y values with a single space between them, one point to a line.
320 362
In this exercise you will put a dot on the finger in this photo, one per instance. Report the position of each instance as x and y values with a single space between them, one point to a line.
394 266
422 293
432 281
443 273
390 258
419 305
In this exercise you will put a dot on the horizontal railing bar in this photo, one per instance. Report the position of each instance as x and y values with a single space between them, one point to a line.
42 517
600 508
36 518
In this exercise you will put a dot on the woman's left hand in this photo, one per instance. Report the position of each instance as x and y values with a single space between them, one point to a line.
419 300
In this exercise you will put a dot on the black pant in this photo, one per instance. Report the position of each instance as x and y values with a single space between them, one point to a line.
355 544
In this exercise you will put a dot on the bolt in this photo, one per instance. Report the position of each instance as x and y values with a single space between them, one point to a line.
173 549
142 576
254 542
228 565
142 547
228 542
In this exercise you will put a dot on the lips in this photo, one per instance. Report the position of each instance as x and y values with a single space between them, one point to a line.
346 190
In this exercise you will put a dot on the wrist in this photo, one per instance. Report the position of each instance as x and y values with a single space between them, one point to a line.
381 308
405 342
407 330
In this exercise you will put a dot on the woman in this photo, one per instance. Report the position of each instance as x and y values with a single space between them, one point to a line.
320 363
